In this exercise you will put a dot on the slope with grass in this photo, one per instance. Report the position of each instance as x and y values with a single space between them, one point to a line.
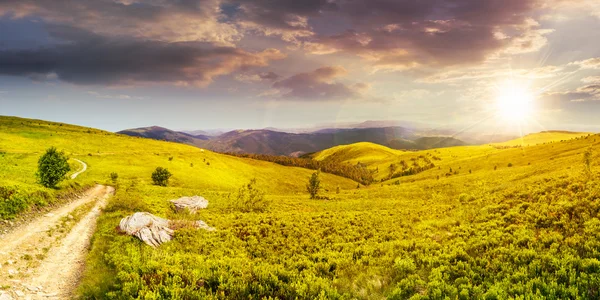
22 141
542 138
497 232
505 223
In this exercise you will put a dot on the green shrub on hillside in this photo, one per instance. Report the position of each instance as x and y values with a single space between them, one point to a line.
161 176
314 185
114 177
249 198
52 168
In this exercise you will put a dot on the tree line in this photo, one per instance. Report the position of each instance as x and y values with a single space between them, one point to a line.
359 172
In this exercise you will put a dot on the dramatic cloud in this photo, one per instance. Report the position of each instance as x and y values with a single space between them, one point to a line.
92 59
588 92
319 85
174 21
257 77
404 33
592 63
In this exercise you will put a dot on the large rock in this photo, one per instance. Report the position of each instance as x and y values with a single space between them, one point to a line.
193 203
154 230
149 228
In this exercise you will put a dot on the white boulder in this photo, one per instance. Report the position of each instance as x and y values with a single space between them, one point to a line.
193 203
149 228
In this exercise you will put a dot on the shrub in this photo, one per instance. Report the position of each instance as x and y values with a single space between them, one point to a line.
587 160
250 199
114 176
510 165
314 184
52 168
161 176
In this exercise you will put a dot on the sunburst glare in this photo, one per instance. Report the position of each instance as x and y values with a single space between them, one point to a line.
515 102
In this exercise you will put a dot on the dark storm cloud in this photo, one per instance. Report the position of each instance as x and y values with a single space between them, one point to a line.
87 58
319 85
183 20
403 32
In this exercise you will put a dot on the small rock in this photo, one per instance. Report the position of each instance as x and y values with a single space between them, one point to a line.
49 215
47 295
19 293
12 272
10 262
202 225
31 288
70 217
5 296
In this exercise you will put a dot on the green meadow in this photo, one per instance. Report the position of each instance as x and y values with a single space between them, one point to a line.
484 222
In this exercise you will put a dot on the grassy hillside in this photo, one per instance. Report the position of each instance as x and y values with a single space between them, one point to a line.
378 158
503 223
542 138
22 141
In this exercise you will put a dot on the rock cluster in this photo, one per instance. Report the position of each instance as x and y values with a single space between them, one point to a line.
149 228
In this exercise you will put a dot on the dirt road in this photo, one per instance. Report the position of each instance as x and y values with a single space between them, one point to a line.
83 168
44 259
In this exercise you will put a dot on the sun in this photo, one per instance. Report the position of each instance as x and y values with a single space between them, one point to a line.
514 102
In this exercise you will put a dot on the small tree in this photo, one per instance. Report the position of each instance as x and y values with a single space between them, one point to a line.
161 176
52 168
587 160
393 169
314 184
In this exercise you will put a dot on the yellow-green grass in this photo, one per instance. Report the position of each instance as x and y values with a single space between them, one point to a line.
481 234
22 142
529 230
542 138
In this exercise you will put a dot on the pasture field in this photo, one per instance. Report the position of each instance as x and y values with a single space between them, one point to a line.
483 223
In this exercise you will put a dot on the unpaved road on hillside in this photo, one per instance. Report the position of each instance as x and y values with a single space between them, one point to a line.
83 168
44 259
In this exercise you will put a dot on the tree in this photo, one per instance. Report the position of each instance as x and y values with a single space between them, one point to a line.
161 176
587 160
393 169
314 184
52 168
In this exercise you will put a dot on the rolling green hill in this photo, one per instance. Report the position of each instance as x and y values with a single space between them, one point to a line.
484 223
22 141
542 138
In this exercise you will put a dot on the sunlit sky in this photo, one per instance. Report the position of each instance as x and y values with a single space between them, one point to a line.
258 63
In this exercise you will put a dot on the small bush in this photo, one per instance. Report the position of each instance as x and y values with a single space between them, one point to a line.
314 184
161 176
52 168
250 199
510 165
113 177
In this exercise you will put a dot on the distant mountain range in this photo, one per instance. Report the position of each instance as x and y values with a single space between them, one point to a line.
264 141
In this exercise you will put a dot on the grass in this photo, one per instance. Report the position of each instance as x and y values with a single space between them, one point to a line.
542 138
482 231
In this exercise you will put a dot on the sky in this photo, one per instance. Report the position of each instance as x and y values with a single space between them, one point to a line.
205 64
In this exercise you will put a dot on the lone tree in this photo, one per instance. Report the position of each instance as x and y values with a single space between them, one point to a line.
52 168
587 161
393 169
314 184
161 176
